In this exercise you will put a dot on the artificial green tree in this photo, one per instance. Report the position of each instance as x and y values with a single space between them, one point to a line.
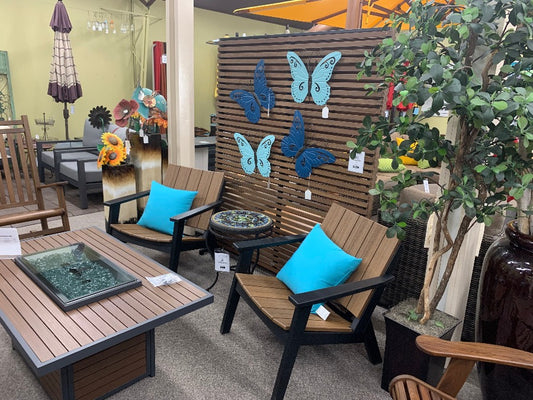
473 57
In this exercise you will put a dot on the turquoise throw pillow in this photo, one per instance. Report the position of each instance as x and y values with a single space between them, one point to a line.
318 263
163 203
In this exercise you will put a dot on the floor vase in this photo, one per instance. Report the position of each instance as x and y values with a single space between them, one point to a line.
146 157
119 181
505 313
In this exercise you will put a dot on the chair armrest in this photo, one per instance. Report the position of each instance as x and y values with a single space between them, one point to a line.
77 149
475 351
254 244
53 184
335 292
195 211
125 199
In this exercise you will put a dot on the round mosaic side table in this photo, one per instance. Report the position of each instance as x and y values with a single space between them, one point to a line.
234 225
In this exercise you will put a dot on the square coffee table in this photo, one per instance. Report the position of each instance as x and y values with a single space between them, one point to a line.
99 348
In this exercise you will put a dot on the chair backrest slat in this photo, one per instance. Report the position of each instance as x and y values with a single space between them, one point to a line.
208 184
363 238
18 182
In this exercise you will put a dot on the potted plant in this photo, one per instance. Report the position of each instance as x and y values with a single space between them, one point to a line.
473 58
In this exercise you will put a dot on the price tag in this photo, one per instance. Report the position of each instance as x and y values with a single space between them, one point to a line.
222 260
357 164
141 132
322 312
163 59
325 112
146 139
307 194
426 186
128 146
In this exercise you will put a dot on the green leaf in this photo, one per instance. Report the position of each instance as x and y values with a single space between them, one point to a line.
439 324
500 105
351 144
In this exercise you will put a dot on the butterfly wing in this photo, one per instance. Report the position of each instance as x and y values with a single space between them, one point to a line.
263 92
300 76
320 89
247 101
263 152
310 158
248 156
291 144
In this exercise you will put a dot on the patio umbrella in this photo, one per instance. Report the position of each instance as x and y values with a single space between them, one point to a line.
349 14
63 85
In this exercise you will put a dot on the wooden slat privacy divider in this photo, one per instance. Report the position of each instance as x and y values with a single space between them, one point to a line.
282 196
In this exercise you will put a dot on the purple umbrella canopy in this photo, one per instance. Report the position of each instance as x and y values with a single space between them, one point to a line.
63 85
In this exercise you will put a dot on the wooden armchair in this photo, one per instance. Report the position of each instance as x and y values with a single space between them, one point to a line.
209 185
464 356
351 304
21 194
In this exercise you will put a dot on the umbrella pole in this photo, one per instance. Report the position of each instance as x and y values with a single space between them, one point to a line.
66 115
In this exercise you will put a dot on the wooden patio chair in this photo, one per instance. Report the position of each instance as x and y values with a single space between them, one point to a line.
464 356
351 304
209 185
21 193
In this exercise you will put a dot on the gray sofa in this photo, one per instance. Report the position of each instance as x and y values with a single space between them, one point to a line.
74 161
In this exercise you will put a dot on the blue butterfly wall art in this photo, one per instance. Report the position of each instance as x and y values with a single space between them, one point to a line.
307 158
248 159
318 84
262 96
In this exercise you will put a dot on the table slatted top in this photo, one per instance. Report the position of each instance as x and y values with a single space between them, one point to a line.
50 338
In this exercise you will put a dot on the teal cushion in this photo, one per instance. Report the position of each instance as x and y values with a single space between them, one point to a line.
318 263
165 202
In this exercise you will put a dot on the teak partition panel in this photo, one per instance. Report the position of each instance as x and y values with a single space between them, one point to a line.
282 196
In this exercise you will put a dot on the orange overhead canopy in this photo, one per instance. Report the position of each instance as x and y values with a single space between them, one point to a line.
349 14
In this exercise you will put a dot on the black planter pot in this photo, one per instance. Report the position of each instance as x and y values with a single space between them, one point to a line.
505 315
401 354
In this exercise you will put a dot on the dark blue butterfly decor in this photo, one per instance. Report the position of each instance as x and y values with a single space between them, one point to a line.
307 158
263 96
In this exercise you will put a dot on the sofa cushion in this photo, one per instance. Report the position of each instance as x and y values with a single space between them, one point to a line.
70 170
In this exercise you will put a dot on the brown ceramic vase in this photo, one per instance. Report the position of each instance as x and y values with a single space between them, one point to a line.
505 313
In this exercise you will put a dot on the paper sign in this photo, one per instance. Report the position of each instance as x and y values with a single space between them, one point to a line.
307 194
166 279
222 261
357 164
426 186
322 312
325 112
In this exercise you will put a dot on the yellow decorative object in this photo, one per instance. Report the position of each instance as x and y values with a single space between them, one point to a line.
405 159
113 151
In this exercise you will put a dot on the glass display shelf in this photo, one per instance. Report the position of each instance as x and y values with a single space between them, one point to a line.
76 275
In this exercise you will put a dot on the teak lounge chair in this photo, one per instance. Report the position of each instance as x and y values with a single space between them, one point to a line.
464 356
351 303
209 185
21 197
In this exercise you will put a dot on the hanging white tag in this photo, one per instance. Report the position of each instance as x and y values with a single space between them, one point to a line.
221 260
357 164
322 312
307 194
146 139
325 112
128 146
141 132
426 186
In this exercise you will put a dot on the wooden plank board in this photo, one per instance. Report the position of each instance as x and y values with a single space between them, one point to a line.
348 105
50 338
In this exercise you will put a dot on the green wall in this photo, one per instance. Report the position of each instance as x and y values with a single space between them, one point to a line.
103 62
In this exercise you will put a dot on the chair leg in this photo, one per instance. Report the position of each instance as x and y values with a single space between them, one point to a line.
292 344
231 307
371 345
177 238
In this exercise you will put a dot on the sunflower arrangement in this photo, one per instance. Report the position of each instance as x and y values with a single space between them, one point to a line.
112 150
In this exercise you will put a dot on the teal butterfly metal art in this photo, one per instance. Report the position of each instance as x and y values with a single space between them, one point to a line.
318 84
248 159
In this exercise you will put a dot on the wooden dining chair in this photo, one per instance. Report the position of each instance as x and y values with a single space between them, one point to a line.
208 184
464 356
351 304
21 193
